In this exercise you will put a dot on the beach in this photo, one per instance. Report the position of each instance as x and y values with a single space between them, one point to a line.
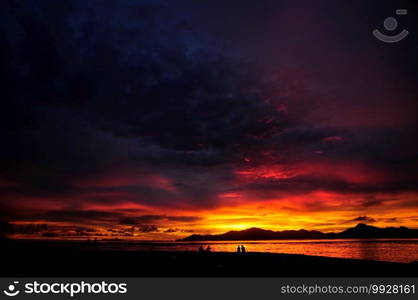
48 261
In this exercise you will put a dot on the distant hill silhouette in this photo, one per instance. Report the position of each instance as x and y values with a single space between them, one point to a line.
360 231
367 232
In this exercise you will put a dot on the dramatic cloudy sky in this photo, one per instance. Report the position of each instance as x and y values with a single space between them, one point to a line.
155 119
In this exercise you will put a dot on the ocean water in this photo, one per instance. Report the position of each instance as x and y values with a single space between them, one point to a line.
394 250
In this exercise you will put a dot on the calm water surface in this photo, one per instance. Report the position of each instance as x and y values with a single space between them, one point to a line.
405 250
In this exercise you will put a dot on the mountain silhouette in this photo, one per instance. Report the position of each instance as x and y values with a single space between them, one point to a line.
360 231
366 231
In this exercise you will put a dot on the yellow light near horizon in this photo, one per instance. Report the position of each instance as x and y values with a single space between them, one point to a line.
237 226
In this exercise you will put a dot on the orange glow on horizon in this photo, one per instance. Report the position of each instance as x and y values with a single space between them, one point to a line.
323 211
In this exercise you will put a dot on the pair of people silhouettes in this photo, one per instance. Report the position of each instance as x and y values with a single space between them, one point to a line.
241 248
208 249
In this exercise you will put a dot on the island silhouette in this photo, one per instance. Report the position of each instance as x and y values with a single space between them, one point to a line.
360 231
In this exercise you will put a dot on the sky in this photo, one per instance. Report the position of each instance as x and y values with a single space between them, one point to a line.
159 119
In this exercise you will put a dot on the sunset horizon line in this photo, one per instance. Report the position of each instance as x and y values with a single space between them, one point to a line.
189 233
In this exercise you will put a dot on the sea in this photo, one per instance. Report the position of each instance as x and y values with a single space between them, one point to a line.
393 250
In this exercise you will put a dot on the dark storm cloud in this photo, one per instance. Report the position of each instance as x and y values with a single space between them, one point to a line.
141 219
138 228
169 97
363 219
152 218
147 228
371 200
86 96
46 230
78 216
296 135
165 89
30 228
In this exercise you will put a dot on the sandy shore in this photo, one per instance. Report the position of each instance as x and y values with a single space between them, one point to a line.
90 262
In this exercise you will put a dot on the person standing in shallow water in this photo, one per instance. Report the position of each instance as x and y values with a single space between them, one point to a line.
239 249
243 249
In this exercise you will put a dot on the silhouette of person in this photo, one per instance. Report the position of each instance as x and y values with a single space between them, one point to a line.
201 249
239 249
208 248
242 248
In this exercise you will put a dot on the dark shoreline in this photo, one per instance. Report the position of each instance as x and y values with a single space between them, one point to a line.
91 262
